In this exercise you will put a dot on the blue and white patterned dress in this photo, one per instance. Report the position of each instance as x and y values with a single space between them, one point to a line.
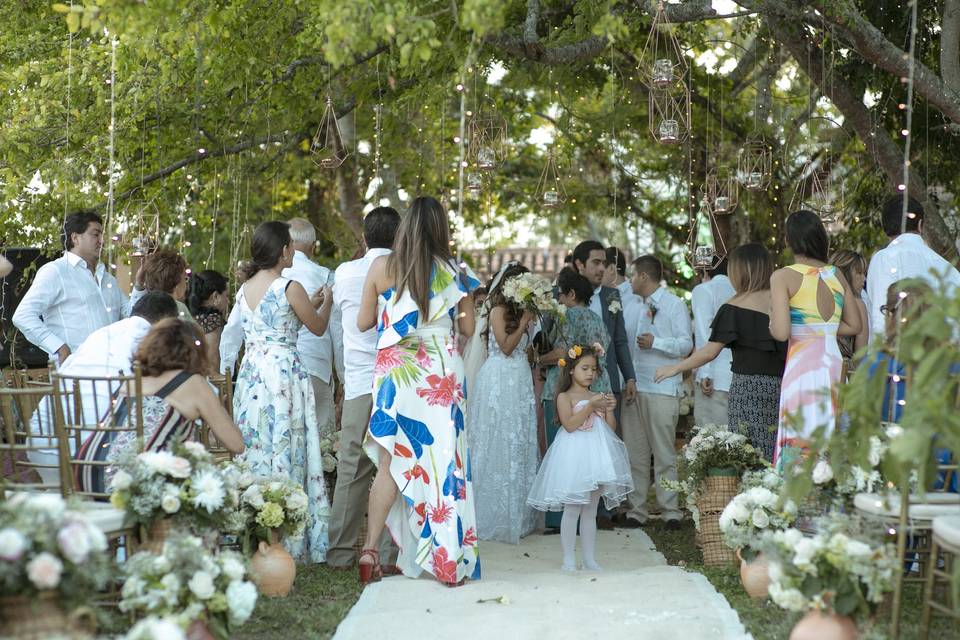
274 408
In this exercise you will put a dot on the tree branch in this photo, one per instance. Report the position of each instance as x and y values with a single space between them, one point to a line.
950 44
530 39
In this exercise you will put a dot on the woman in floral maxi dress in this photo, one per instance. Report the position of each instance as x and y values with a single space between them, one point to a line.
423 491
273 402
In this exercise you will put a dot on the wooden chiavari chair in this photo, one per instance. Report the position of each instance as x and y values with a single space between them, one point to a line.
29 448
224 387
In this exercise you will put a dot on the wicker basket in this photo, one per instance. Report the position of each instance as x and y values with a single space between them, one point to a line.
715 493
156 535
41 616
715 551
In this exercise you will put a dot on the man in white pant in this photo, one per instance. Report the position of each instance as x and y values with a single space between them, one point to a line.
649 425
712 386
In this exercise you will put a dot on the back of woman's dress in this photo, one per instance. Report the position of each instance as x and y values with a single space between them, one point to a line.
808 396
274 408
503 443
418 417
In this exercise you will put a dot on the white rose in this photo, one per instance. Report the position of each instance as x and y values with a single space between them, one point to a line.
44 571
792 537
133 587
156 629
196 449
171 583
739 512
12 544
760 518
726 520
253 497
201 585
121 481
876 451
233 568
822 473
245 480
47 503
161 564
166 463
275 486
74 542
775 571
170 503
297 501
803 555
790 599
859 550
242 598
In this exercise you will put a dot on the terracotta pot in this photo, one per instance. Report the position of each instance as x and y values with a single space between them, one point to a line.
754 576
273 569
198 630
817 625
42 616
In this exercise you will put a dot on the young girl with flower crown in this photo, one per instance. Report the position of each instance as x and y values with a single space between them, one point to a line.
585 461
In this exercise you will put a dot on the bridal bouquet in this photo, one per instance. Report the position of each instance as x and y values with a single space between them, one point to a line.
186 485
532 292
754 511
274 504
187 583
46 547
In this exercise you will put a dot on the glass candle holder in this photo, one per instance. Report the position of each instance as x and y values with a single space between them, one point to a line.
754 181
486 158
669 131
721 204
474 183
551 198
662 72
703 257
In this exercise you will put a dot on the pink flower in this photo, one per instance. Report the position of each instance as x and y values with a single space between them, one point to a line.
388 359
422 358
74 542
44 571
443 391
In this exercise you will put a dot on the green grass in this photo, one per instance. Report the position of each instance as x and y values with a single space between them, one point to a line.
765 620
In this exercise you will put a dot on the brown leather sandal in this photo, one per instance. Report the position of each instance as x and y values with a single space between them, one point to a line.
369 572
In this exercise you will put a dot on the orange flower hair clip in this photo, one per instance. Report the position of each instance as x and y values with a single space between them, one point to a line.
575 351
561 362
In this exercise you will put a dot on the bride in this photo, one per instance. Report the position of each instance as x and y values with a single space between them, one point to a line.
502 416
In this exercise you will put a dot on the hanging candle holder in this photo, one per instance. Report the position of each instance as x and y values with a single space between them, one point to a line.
755 163
550 190
488 141
818 192
327 148
662 63
143 228
705 246
720 191
669 115
474 183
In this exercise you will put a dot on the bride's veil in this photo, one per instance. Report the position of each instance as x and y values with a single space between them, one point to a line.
475 353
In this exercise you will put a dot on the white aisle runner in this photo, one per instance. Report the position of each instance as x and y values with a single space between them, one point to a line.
636 597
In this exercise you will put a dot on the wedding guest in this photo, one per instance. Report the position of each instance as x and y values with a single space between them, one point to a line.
580 326
710 393
423 490
906 256
316 352
811 304
5 266
742 325
615 277
164 270
273 399
354 469
176 395
208 302
650 426
586 461
72 296
502 416
853 266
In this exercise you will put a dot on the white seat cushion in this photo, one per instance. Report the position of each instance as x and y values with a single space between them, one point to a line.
104 516
947 528
888 505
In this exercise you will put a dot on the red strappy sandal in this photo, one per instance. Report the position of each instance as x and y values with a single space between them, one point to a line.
370 572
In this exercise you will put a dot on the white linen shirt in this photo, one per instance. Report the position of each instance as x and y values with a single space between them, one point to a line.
316 352
359 347
907 256
66 303
672 341
707 299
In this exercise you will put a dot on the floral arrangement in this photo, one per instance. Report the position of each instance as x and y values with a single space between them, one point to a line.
833 571
754 511
272 504
186 485
330 451
532 292
576 351
186 583
45 545
154 628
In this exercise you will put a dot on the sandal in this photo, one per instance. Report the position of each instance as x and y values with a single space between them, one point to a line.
454 585
369 572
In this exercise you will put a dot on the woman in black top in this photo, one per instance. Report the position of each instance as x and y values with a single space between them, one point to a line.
208 305
743 325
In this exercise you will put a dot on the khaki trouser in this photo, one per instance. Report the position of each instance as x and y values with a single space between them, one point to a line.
649 428
709 410
326 409
354 474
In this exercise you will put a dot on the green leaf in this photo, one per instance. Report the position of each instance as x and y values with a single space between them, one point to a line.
73 22
59 7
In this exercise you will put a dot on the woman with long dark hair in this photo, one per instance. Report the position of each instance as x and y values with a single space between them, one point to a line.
418 297
273 403
207 300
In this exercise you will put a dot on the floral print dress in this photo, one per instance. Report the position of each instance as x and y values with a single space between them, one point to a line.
275 410
418 416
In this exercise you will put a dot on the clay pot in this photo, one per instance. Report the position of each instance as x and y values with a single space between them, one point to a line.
198 630
754 576
273 569
817 625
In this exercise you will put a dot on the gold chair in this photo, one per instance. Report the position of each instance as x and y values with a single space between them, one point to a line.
224 387
946 547
29 448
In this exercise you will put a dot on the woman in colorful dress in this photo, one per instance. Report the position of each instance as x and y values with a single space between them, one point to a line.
419 299
273 402
811 304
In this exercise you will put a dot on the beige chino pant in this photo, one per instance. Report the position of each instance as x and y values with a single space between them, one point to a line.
649 429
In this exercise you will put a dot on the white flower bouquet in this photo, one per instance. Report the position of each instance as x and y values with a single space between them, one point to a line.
330 451
532 292
185 485
833 571
47 546
754 511
186 583
274 504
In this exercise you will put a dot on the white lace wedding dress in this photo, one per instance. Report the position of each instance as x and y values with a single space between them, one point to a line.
502 432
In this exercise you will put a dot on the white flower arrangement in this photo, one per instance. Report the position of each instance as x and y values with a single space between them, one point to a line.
754 511
330 451
271 504
156 628
185 485
186 583
834 571
46 545
534 293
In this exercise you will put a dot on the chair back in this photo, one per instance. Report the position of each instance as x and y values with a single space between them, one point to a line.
223 383
91 414
29 446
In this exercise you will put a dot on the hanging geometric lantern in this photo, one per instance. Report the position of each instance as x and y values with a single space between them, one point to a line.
662 63
474 183
143 228
703 251
550 190
488 141
817 191
755 163
669 115
327 147
720 191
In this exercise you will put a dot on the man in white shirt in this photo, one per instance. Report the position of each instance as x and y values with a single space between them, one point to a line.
906 256
712 379
354 469
650 424
316 352
72 296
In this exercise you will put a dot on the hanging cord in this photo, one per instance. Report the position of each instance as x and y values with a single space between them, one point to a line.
112 151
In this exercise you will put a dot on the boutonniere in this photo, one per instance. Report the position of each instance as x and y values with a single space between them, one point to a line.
651 311
615 306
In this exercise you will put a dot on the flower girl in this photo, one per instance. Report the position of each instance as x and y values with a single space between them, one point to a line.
585 461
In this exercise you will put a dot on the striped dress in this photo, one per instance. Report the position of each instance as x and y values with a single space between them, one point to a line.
808 396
